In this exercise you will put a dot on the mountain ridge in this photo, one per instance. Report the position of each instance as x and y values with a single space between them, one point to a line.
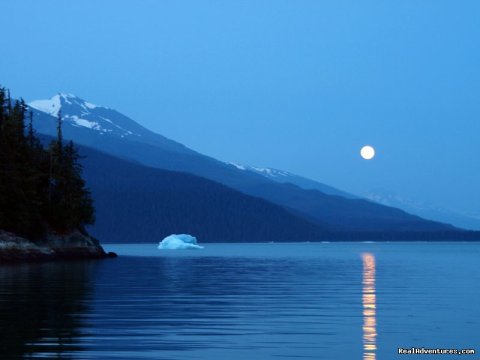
164 202
157 151
84 115
283 176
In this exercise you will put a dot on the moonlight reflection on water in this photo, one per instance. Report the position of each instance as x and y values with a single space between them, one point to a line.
369 307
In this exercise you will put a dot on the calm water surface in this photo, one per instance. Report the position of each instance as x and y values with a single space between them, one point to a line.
246 301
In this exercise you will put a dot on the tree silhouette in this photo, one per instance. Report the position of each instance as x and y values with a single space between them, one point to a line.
41 190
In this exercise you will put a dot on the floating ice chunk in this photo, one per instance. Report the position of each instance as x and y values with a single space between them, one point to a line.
179 242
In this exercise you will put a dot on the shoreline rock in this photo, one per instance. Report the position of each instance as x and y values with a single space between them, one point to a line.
72 246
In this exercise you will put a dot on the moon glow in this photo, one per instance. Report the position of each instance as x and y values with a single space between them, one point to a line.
367 152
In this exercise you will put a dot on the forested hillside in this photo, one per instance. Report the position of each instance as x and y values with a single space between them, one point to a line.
138 204
41 188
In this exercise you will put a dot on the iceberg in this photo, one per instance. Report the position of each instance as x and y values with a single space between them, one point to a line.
179 242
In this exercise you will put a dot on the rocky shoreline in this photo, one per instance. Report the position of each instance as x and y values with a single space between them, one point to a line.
72 246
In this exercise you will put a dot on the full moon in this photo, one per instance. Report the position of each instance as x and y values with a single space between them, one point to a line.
367 152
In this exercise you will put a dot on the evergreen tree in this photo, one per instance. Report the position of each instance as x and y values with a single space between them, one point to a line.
3 169
71 205
77 196
19 197
40 190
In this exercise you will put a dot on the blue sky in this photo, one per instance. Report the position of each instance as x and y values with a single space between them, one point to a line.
296 85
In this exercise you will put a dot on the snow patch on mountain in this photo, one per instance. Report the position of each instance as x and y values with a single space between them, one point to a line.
283 176
50 106
271 172
268 172
67 97
238 166
90 105
82 122
76 121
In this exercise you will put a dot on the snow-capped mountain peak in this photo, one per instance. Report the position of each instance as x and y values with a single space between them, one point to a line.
87 123
83 114
72 99
54 104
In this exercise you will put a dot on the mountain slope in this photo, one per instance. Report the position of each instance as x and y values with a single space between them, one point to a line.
82 118
90 124
138 204
286 177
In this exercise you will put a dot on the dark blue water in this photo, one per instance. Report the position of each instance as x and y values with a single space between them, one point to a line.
257 301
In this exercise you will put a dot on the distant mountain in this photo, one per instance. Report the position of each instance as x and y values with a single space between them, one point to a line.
139 204
285 177
424 209
111 132
383 197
